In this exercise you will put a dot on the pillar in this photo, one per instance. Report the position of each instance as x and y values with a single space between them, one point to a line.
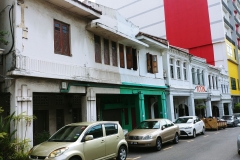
170 107
89 113
191 107
221 109
209 108
230 108
162 106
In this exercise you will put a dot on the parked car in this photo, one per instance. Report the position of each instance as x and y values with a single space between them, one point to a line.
190 126
238 144
153 133
84 141
237 115
231 120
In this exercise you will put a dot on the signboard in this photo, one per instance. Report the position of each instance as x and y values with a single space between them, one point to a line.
200 89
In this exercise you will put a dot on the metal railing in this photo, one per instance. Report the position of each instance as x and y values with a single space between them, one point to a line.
228 23
230 39
226 6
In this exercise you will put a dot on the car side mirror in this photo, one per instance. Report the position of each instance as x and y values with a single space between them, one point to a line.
88 138
163 127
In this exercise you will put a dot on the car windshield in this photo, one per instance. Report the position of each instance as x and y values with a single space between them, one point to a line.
67 134
149 125
227 117
184 120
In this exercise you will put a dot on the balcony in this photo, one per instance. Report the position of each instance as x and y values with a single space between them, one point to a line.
236 8
238 34
226 7
227 22
230 39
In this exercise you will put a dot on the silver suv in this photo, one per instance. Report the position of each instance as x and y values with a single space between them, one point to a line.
84 141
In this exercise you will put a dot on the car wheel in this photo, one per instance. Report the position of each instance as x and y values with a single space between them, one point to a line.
75 158
158 144
122 153
176 139
194 133
203 131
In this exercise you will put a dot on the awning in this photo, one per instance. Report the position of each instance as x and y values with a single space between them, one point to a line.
152 42
77 7
105 31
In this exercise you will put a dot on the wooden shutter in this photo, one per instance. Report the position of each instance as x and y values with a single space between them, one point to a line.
149 66
129 57
154 64
57 37
65 39
114 54
106 52
121 52
97 42
134 58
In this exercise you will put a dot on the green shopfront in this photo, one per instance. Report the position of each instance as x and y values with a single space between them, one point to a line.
134 104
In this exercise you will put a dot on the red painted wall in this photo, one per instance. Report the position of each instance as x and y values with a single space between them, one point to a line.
188 26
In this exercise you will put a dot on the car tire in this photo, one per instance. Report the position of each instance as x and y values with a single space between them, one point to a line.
176 139
75 158
122 153
158 146
194 133
203 131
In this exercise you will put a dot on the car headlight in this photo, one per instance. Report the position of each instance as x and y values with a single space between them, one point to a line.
189 127
147 137
57 152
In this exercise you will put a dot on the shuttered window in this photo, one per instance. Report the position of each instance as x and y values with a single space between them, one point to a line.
129 57
97 42
61 38
134 58
121 52
114 54
106 52
152 63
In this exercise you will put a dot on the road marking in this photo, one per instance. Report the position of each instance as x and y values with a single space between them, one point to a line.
133 158
205 136
190 141
167 148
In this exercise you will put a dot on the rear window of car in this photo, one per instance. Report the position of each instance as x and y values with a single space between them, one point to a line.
111 129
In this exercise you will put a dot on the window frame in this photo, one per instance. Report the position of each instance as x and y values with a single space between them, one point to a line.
185 70
233 80
97 47
178 66
171 61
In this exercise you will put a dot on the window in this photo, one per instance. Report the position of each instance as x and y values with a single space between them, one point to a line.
121 52
97 41
229 50
233 83
209 81
152 65
213 82
238 84
178 69
202 77
222 87
184 71
106 52
171 68
111 129
96 131
131 58
198 77
193 76
114 54
61 38
216 82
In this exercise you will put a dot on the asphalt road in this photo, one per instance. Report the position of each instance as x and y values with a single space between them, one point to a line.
214 145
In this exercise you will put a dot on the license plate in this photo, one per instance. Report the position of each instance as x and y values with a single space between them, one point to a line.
133 142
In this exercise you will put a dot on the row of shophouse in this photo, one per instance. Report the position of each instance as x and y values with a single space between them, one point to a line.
70 62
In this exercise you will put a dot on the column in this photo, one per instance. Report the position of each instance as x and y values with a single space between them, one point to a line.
162 105
24 111
191 107
221 109
140 108
89 113
209 108
170 107
230 108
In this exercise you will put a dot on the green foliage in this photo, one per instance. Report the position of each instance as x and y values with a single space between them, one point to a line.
199 107
236 108
2 35
41 137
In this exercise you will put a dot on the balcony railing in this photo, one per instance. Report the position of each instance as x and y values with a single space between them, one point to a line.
236 20
238 34
226 6
227 22
229 39
236 8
